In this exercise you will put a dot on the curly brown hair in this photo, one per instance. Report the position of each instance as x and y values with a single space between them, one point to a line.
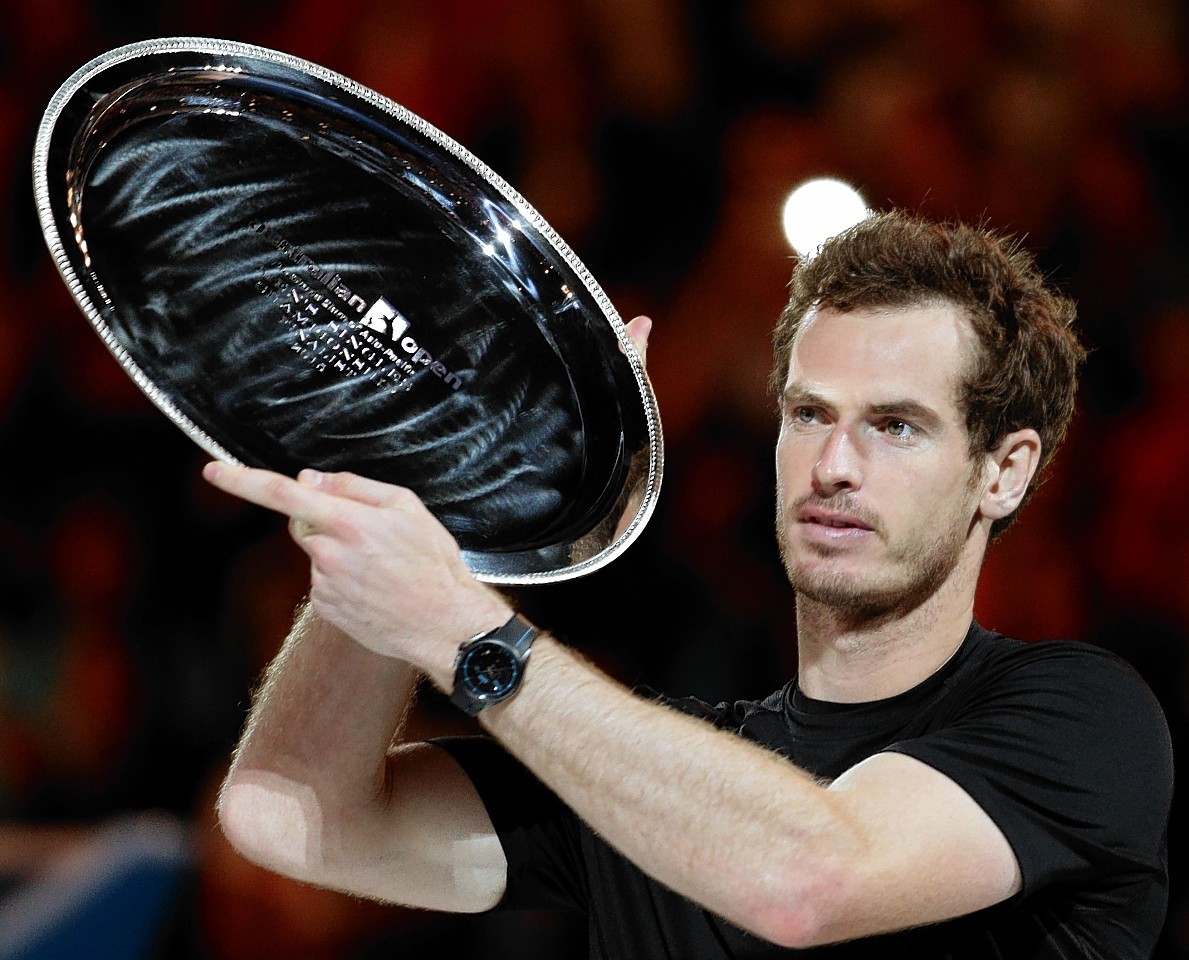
1024 372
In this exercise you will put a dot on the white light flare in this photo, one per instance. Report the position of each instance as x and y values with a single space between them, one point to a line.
817 210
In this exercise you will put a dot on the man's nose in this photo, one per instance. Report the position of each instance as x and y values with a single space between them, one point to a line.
839 464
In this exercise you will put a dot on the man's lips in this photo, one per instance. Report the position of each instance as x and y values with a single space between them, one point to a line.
830 519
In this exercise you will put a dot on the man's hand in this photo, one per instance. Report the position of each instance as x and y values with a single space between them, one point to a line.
383 569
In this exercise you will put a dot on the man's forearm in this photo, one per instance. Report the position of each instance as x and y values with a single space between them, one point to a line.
712 816
315 744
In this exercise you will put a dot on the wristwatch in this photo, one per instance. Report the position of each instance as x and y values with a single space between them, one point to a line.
490 666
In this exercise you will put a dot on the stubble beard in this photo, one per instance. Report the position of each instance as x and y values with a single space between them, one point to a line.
909 574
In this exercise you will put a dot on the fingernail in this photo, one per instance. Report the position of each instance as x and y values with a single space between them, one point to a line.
310 476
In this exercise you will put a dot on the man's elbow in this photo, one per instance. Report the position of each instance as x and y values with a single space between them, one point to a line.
807 912
792 926
273 822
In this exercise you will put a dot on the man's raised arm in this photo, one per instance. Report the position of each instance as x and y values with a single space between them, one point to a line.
321 790
730 825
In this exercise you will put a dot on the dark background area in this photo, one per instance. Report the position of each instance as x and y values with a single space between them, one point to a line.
659 138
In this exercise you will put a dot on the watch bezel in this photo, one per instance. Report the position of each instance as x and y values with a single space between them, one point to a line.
469 674
513 640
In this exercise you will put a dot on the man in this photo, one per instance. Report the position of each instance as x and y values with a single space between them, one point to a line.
922 787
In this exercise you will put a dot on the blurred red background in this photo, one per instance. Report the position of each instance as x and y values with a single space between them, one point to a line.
659 138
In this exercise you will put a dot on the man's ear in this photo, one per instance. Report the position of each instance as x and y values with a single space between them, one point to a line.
1010 469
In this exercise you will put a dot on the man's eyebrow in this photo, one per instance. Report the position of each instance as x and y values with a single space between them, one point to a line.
910 410
796 395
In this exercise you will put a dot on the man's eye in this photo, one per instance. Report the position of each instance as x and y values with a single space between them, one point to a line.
805 415
900 429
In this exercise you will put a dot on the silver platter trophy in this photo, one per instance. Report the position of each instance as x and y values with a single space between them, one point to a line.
300 272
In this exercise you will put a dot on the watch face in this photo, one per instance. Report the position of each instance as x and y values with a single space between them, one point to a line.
491 670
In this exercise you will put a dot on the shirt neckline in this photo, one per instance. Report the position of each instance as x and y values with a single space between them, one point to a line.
806 705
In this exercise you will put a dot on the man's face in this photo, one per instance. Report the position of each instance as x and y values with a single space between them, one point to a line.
876 490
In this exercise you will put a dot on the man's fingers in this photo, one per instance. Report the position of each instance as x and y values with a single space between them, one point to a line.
274 491
638 330
316 502
374 493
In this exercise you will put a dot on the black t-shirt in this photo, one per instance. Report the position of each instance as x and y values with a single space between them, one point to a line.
1060 742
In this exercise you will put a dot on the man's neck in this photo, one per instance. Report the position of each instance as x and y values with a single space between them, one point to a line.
848 661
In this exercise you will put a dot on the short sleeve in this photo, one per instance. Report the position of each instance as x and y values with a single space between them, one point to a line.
537 831
1068 751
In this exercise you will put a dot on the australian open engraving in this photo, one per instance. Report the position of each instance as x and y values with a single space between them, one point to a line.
325 337
365 345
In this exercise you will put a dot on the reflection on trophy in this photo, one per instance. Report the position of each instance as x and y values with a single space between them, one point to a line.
300 272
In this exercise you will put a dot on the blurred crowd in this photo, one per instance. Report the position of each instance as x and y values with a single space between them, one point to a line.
659 138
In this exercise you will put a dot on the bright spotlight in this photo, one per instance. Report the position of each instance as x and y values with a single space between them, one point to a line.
818 209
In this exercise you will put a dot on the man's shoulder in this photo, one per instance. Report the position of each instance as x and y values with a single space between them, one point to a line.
1073 689
994 655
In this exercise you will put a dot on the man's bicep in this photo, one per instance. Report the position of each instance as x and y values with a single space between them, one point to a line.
434 845
425 840
932 854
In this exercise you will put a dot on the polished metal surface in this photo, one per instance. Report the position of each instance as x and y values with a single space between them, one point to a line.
299 272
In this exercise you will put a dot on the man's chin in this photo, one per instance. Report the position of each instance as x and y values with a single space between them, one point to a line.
827 586
854 604
838 584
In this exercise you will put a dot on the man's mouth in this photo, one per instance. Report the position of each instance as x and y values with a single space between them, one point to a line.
818 518
834 523
831 522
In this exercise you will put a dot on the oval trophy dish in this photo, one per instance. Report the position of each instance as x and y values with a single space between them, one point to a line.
300 272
